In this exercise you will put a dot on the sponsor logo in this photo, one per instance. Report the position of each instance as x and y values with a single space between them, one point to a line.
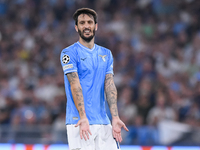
75 118
65 59
103 57
67 66
65 52
83 59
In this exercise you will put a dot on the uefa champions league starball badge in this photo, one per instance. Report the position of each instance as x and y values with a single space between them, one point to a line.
65 59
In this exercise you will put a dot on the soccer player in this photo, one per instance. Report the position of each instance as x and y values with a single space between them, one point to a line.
88 74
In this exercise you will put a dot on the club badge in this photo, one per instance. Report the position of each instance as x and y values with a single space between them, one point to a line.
103 57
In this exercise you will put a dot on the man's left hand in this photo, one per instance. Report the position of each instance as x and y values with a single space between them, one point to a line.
117 124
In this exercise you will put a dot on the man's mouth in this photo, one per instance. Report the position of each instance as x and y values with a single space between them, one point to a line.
86 31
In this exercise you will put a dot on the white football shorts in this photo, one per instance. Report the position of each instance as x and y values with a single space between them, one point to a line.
101 138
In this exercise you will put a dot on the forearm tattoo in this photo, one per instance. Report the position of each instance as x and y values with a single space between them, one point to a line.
111 94
76 92
79 97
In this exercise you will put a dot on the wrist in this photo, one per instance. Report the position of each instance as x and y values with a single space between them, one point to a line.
83 117
82 114
115 117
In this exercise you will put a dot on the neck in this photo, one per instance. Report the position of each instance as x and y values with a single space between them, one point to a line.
89 45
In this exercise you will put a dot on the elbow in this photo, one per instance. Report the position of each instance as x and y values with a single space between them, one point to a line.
76 88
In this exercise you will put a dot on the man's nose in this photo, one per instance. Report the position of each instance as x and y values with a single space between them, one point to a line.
87 25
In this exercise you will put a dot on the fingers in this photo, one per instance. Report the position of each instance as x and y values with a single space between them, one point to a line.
85 135
117 136
84 129
124 126
77 124
90 132
81 134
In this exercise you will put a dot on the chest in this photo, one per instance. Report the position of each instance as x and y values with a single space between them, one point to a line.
92 61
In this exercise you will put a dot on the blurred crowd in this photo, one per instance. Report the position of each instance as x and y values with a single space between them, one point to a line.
156 50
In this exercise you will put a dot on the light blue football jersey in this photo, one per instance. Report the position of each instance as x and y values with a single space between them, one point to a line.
92 65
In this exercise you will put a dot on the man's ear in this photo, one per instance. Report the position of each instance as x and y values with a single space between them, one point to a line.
96 27
76 28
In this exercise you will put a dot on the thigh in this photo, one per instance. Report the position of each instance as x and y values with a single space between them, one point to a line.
75 142
105 140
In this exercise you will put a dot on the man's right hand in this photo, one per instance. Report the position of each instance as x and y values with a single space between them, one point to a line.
84 128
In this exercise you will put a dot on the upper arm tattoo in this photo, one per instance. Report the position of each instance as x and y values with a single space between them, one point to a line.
111 94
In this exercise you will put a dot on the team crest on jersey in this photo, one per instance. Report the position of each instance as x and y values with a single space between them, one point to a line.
103 57
65 59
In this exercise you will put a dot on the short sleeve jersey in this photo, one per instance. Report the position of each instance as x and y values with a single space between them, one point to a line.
92 65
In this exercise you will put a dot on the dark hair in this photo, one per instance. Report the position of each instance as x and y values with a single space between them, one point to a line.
86 11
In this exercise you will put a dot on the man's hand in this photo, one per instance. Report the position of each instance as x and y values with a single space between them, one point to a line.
84 128
117 124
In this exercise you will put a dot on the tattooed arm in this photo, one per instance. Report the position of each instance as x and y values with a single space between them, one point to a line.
111 96
77 94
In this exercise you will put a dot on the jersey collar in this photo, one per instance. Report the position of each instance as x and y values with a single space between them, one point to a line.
86 47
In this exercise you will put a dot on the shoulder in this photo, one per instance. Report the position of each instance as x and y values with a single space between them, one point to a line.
70 49
101 47
108 51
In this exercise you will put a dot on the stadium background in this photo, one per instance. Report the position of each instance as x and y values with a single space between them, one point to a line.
156 49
